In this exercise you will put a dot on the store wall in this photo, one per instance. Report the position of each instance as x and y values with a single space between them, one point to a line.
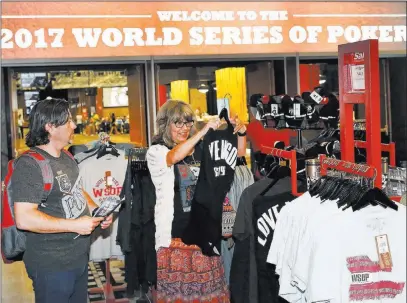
162 94
137 105
309 77
231 84
99 102
180 90
80 101
5 123
107 111
398 95
118 111
260 78
291 74
198 100
279 77
21 103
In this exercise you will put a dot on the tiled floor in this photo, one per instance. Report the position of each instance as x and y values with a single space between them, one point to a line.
15 284
17 287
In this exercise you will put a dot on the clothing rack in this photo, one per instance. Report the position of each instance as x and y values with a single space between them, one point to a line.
362 170
259 136
367 94
108 289
347 167
137 153
288 155
390 148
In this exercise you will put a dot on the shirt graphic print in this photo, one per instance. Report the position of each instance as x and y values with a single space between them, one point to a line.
73 201
187 176
366 283
106 191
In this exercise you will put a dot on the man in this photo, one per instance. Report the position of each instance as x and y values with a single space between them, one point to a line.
55 261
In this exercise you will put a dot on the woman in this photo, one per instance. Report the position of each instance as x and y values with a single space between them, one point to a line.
184 274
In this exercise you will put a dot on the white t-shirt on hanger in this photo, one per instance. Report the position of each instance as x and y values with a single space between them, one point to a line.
344 261
94 172
313 218
299 216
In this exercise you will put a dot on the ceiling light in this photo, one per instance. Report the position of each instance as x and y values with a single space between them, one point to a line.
203 88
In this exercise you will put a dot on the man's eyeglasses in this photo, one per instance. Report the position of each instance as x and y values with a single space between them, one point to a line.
180 124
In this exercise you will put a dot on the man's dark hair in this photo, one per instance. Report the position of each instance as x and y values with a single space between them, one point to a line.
52 111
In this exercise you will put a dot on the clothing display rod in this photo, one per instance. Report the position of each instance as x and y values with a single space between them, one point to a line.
347 167
390 148
288 155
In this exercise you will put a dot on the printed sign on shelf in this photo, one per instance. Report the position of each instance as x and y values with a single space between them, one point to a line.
357 73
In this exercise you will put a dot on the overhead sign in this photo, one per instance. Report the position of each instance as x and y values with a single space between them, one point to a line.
122 29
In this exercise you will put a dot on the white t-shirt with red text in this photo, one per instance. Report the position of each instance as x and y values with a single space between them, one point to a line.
100 188
343 265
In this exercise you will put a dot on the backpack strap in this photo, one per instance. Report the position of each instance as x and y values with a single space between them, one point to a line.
46 172
68 154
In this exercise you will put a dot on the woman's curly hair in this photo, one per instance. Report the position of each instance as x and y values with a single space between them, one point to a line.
171 112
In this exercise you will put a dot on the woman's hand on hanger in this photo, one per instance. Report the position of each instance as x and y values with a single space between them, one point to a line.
241 141
213 123
239 125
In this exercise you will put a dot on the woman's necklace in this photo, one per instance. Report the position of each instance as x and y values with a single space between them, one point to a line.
193 158
189 168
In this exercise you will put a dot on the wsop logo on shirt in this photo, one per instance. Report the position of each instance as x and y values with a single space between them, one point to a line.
101 191
366 283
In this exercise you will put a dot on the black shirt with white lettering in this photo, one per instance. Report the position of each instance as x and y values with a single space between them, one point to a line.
215 179
265 216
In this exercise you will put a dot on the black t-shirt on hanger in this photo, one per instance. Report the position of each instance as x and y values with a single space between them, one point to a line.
215 178
265 214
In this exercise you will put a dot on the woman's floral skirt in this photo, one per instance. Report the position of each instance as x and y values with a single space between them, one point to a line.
185 275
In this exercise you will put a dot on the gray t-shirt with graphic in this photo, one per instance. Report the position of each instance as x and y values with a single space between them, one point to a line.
58 251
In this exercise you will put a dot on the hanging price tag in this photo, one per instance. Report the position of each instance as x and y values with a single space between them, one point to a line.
316 97
383 250
108 178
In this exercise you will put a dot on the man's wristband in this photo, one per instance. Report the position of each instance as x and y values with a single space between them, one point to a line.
241 134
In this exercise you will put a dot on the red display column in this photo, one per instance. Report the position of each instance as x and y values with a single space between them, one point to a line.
359 83
309 77
162 95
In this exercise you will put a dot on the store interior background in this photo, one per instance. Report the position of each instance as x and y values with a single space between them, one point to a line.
95 92
202 84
